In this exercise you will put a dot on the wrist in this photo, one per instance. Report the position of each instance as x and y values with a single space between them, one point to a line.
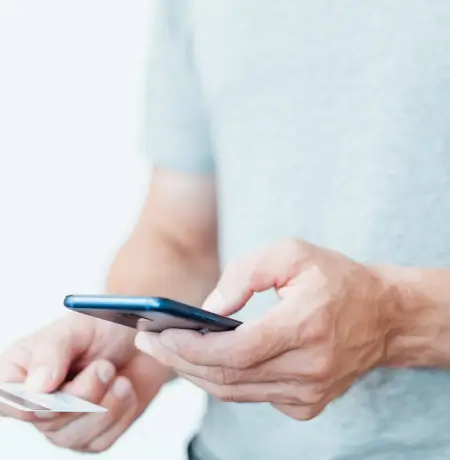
418 324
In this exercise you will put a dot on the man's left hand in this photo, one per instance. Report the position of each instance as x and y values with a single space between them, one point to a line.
330 326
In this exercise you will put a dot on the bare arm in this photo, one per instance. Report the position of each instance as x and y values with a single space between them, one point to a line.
172 251
420 317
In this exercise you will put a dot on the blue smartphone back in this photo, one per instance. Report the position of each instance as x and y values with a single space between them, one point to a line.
154 314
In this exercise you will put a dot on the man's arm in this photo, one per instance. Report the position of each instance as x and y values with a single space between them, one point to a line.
420 317
172 251
336 320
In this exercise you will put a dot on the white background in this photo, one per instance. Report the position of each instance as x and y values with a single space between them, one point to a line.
71 183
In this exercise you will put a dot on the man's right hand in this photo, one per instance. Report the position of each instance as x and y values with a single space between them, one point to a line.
172 252
93 360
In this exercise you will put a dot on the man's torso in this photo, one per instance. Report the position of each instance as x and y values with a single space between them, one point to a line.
330 121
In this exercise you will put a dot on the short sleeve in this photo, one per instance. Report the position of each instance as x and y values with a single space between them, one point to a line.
175 131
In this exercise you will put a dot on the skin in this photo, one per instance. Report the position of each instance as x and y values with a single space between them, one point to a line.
335 320
96 360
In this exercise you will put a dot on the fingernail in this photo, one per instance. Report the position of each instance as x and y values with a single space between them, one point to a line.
39 379
214 303
143 343
105 371
122 388
45 415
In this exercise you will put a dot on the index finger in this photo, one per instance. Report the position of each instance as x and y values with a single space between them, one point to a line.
271 267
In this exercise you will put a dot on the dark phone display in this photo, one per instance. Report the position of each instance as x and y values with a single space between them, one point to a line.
153 314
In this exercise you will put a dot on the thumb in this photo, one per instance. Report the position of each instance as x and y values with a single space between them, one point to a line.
51 359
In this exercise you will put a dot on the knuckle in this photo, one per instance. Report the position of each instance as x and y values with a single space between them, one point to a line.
240 361
116 408
293 247
47 427
216 376
321 368
318 277
257 274
95 450
311 396
64 440
225 394
308 413
100 446
295 254
317 329
229 376
304 413
108 418
220 375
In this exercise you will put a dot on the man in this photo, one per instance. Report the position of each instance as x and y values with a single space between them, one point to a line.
304 146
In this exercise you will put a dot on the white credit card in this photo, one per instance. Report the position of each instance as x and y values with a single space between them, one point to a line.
19 397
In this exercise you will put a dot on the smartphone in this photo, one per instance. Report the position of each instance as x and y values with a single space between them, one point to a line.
153 314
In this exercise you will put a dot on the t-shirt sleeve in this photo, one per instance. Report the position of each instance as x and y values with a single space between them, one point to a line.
175 131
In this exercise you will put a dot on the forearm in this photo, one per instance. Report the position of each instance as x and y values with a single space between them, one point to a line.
152 263
419 317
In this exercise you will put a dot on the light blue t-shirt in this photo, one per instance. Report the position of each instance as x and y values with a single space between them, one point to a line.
329 121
